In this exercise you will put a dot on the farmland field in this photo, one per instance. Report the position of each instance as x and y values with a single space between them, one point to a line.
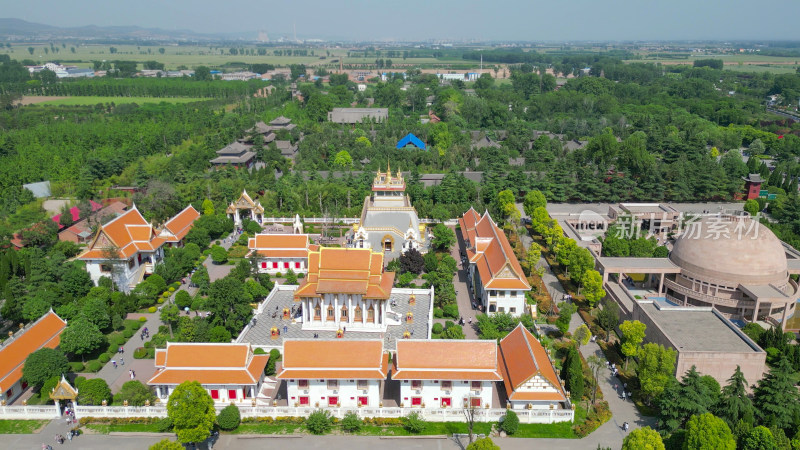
93 100
192 56
739 62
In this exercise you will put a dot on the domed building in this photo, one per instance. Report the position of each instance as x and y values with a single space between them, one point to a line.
735 265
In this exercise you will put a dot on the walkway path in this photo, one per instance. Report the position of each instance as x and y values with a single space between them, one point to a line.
609 434
464 297
144 369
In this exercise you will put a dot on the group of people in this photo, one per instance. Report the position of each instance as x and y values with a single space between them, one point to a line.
145 333
132 374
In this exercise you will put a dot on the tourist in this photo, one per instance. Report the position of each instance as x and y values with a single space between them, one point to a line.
122 361
285 329
114 363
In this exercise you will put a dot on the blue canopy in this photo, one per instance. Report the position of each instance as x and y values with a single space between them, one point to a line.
411 139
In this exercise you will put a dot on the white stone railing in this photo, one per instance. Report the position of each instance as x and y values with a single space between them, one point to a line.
247 410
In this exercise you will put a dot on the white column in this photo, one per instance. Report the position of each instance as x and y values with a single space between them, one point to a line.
349 308
236 219
336 311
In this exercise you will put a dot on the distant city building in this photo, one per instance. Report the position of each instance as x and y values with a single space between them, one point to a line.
239 76
358 115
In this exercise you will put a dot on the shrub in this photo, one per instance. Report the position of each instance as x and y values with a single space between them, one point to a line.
104 358
219 255
413 423
140 353
451 310
183 299
164 425
116 341
438 313
598 416
151 309
135 392
94 366
136 325
160 300
93 392
259 351
165 294
351 423
319 422
171 289
274 357
510 423
483 444
278 275
127 333
229 418
76 367
437 328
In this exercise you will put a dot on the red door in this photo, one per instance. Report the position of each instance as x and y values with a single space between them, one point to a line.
416 401
363 401
232 394
215 394
333 401
475 402
446 402
263 265
303 401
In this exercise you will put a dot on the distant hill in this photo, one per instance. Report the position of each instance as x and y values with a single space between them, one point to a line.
18 29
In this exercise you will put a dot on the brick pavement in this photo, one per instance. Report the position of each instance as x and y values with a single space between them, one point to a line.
260 334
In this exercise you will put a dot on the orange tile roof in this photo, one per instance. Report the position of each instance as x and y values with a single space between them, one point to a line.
180 225
208 363
446 360
523 357
129 232
334 359
45 332
489 249
280 245
347 271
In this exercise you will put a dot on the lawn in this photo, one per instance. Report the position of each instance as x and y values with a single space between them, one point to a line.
93 100
268 428
105 428
21 426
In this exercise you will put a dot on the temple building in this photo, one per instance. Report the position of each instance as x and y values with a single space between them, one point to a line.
175 229
125 249
345 288
230 372
275 253
245 208
388 221
495 276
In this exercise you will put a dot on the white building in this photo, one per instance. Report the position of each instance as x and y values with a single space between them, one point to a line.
530 379
495 276
446 373
280 252
229 372
345 288
245 208
125 249
331 373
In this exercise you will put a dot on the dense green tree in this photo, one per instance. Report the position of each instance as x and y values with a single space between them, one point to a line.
443 237
759 438
82 337
679 401
229 304
643 439
412 261
42 365
593 287
656 366
734 404
192 412
776 398
93 391
135 392
574 375
608 316
632 336
707 432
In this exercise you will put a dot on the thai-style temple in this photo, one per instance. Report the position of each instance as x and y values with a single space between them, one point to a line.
388 221
345 287
245 208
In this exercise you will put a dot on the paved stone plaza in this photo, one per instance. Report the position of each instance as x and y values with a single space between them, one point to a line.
270 315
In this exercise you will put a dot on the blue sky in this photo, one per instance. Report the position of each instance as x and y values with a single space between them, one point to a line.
533 20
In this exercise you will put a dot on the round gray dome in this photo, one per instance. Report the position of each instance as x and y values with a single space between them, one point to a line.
735 251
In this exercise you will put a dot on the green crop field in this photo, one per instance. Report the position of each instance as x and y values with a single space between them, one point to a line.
93 100
747 62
